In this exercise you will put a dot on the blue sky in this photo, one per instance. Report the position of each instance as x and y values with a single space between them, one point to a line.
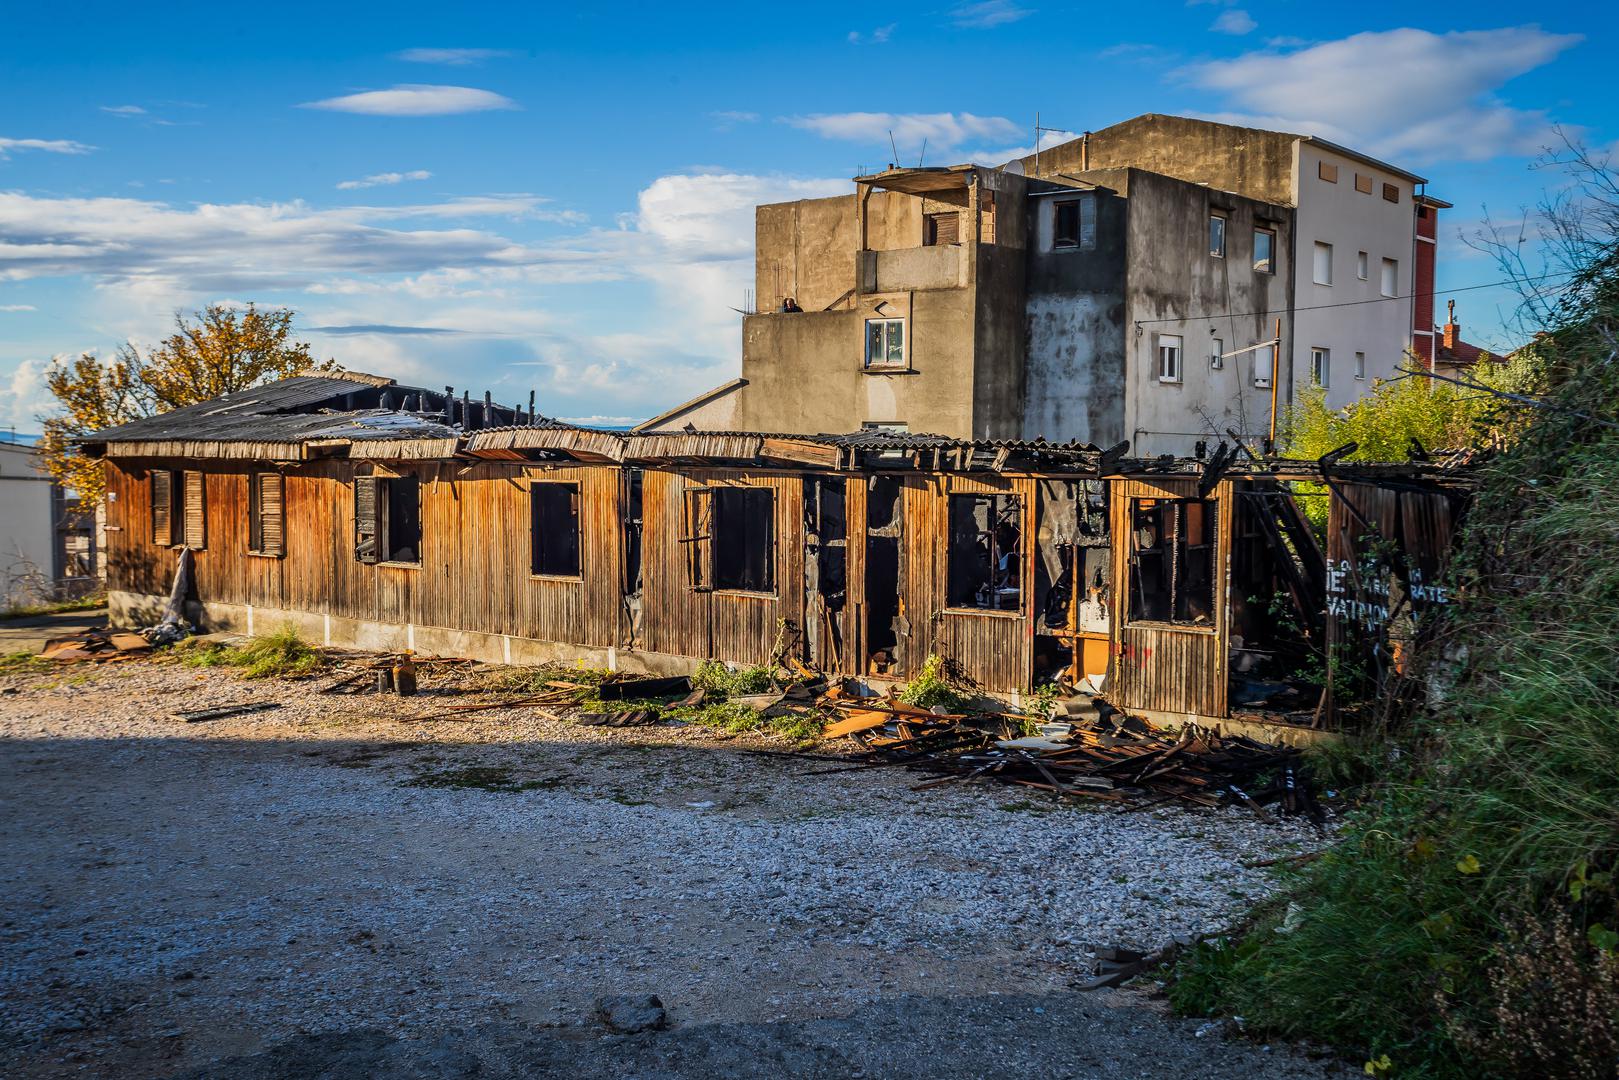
559 198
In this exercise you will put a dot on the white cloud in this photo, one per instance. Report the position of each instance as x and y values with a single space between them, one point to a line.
24 396
941 131
878 36
48 146
1235 21
451 57
124 110
379 179
18 307
1048 138
416 99
988 13
1418 96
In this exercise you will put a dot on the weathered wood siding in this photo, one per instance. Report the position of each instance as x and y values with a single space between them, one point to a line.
1175 669
475 550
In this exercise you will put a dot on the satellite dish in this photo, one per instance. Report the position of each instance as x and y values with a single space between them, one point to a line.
1015 167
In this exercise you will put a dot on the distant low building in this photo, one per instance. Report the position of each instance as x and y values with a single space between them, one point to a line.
48 548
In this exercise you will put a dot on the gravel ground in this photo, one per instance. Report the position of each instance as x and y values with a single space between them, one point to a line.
295 893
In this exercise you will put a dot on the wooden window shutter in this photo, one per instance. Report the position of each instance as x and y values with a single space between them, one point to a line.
268 521
943 228
697 534
162 501
196 536
367 544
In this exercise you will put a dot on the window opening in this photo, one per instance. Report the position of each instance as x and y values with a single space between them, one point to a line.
985 555
554 529
1172 561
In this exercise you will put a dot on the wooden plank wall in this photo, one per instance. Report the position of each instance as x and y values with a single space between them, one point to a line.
994 649
474 571
1179 669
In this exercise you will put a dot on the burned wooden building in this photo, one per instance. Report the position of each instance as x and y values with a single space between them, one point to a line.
389 517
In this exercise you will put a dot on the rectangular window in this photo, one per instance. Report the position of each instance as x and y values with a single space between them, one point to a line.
1363 183
1265 251
388 519
1323 263
697 537
1217 235
1169 358
1321 367
1329 173
1172 561
554 529
1360 365
193 521
1390 283
984 557
1391 193
941 229
1216 354
744 539
266 514
162 502
1361 265
885 342
1074 224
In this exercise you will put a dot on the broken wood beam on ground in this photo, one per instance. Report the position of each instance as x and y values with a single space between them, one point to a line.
219 712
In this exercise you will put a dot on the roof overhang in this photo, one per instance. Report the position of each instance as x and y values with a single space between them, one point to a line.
948 183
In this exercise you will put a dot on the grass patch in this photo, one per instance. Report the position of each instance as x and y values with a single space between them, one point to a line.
715 677
55 607
24 663
282 654
482 777
934 688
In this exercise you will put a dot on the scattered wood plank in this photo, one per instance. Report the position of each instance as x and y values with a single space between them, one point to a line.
219 712
859 721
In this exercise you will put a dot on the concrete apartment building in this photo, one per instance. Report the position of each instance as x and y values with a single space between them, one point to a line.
1094 292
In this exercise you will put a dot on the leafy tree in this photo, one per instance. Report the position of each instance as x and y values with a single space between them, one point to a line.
220 350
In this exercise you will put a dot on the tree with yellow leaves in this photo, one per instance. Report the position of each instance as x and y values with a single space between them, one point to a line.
220 350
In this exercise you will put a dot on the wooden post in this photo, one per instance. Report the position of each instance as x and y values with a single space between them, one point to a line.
1275 375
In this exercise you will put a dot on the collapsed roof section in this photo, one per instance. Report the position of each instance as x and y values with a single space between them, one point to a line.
365 417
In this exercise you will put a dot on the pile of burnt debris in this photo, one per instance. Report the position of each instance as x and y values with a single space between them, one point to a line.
1104 756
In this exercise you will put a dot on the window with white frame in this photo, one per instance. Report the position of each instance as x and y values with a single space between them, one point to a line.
1169 358
1360 365
1323 263
1321 367
1360 265
1216 353
1217 235
1391 278
885 342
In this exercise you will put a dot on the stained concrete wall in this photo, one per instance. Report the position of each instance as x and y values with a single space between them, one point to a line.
808 249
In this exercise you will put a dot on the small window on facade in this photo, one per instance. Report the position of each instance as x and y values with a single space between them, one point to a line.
885 342
1329 173
1265 251
984 556
744 539
1391 193
941 229
1323 263
1169 358
1172 561
1363 183
266 514
193 518
162 481
388 519
1074 224
1216 354
1217 235
1360 265
554 529
1360 365
1321 367
1390 282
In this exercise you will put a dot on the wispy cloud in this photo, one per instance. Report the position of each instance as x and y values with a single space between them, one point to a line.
451 57
18 307
124 110
1435 96
380 179
878 36
416 99
46 146
988 13
941 131
385 329
1234 21
726 119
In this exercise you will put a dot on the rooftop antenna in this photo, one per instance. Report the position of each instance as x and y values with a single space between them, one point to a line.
895 149
923 155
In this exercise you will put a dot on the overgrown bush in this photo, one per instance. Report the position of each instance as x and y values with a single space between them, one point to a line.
715 677
934 687
282 654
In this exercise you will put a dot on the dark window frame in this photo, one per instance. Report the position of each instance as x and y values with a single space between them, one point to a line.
1172 579
984 569
744 546
556 550
388 512
1269 265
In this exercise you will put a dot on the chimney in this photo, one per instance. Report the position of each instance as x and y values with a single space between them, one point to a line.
1452 331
